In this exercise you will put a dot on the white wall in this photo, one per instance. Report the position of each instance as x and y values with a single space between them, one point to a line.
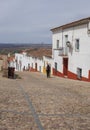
22 61
40 65
79 59
58 60
48 60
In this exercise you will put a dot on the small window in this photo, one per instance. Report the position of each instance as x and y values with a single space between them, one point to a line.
56 66
66 38
39 68
77 45
79 73
57 44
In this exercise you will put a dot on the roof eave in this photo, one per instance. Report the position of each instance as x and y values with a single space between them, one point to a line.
72 24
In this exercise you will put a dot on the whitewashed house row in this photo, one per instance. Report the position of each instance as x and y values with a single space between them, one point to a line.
36 64
22 61
48 60
39 64
71 50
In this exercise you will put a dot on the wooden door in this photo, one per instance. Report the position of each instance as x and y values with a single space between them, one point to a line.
65 66
35 66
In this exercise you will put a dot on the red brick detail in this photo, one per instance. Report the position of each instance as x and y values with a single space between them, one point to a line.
60 74
74 76
53 71
85 79
33 70
89 75
57 73
71 75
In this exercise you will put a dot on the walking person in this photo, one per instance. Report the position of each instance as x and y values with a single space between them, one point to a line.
48 70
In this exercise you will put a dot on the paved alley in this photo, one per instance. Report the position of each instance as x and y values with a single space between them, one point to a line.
35 102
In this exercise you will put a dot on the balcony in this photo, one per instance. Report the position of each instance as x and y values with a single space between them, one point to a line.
63 51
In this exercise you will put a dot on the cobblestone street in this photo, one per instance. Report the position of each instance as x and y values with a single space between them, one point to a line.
36 102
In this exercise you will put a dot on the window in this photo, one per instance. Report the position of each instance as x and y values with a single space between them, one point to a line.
66 38
79 73
77 45
56 66
39 68
57 44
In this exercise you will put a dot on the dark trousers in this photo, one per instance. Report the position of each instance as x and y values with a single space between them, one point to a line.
48 74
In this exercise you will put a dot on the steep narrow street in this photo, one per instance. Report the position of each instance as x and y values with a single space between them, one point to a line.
36 102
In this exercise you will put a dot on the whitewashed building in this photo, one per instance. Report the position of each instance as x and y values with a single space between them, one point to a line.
39 64
71 50
48 60
22 61
36 64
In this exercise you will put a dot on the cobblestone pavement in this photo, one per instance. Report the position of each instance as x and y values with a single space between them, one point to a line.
35 102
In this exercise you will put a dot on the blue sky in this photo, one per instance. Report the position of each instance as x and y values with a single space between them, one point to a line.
30 21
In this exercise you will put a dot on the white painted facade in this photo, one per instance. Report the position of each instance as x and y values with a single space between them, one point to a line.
36 64
39 64
48 60
72 41
22 61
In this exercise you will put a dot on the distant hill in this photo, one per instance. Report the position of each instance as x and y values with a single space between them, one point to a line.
39 52
14 45
17 48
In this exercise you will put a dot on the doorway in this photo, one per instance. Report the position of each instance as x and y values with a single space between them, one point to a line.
35 66
55 68
65 66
